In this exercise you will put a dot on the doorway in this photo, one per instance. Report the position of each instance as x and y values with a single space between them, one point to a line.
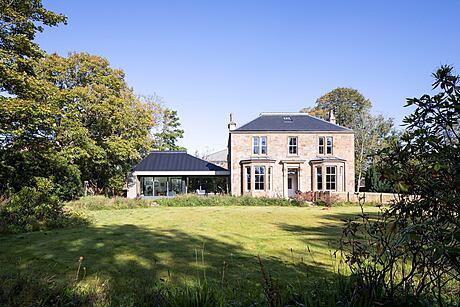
292 183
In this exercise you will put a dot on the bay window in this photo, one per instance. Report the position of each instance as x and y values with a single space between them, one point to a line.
259 178
331 178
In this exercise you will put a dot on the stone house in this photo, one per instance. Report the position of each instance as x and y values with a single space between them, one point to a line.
274 155
277 154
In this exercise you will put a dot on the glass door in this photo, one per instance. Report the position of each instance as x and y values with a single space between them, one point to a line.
147 186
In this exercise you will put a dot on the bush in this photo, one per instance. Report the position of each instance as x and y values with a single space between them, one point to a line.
100 202
31 210
210 201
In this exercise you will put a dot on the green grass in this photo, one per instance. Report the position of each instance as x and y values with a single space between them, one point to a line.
126 249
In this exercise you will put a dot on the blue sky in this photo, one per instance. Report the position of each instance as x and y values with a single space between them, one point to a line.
210 58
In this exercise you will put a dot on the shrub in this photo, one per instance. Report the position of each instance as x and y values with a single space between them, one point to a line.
31 210
209 201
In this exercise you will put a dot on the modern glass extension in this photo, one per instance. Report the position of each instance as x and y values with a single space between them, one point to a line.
170 186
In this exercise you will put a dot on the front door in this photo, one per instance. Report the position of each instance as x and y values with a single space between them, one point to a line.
292 184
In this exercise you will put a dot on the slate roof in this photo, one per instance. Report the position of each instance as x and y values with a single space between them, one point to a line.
175 161
220 155
290 122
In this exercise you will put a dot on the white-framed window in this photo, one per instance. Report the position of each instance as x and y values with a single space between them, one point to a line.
259 178
319 178
269 179
255 145
325 145
329 142
248 178
259 145
321 145
263 145
331 178
292 145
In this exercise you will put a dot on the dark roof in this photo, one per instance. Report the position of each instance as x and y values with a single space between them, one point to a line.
290 122
175 161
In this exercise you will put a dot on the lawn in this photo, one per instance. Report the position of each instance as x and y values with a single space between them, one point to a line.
130 248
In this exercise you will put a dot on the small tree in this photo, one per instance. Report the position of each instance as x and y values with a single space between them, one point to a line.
169 131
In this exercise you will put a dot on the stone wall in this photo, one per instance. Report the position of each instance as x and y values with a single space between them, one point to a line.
367 197
240 145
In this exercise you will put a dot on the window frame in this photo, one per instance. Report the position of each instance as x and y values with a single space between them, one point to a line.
321 148
259 145
296 146
259 178
269 179
319 178
255 144
263 147
331 146
331 178
248 178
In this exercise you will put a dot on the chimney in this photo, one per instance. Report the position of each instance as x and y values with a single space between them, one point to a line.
231 123
332 116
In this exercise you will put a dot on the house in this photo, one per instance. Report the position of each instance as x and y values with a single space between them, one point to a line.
169 173
218 158
277 154
274 155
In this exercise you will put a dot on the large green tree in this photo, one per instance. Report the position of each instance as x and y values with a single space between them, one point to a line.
353 110
90 119
20 20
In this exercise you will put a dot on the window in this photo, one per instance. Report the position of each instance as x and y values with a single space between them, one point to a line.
248 178
319 178
321 145
292 145
259 177
255 145
270 170
289 183
331 178
329 145
263 143
325 142
259 145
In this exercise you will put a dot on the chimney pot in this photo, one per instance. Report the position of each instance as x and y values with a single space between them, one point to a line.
231 123
332 117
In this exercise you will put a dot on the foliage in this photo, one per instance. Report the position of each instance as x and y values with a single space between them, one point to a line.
346 103
375 181
413 248
200 201
31 210
20 21
190 200
104 203
168 132
91 127
352 110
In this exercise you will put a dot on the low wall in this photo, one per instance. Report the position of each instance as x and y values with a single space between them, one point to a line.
366 197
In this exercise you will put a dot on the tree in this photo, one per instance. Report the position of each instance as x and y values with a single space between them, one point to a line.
91 121
347 103
413 247
20 20
352 110
169 131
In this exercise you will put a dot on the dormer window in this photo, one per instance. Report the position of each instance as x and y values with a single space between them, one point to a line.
259 145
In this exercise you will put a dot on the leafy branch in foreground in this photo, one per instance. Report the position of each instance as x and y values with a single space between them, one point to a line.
412 250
